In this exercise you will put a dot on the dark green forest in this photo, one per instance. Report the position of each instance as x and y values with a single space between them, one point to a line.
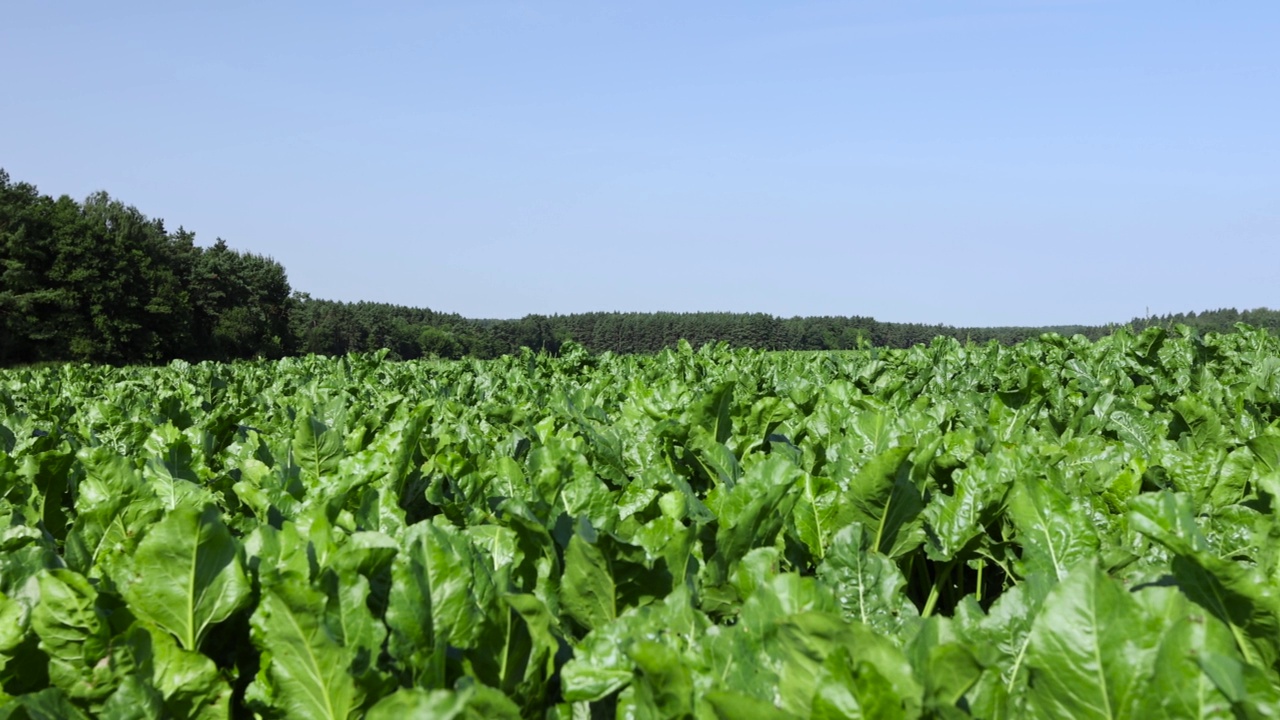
98 281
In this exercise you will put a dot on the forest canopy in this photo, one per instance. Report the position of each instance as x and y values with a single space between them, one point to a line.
98 281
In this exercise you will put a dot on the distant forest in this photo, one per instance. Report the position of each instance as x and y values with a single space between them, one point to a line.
98 281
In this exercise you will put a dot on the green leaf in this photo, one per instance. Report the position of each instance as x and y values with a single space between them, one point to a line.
753 513
880 678
817 513
1239 595
1200 423
601 666
1267 449
712 412
663 685
187 575
438 587
956 520
725 705
887 503
419 703
170 469
188 683
1233 478
317 449
1000 640
868 585
135 699
475 702
113 508
587 592
1087 653
352 625
305 666
855 688
952 671
74 632
1054 531
516 652
1179 687
15 621
47 704
946 666
47 473
1252 692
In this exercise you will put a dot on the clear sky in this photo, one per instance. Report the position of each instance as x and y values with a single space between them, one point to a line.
966 163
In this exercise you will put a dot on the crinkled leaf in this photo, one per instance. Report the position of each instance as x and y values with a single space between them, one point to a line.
753 513
1053 529
74 632
869 586
188 683
306 667
1239 595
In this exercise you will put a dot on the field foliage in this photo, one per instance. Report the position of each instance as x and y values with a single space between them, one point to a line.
1061 528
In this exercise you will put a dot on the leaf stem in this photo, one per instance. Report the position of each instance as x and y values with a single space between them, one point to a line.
932 601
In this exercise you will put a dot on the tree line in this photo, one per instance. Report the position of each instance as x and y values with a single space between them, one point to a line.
98 281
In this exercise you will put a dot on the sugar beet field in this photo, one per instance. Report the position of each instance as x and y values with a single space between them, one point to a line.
1057 529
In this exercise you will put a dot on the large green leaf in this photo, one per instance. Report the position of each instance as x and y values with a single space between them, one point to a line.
172 469
473 702
74 632
1252 693
48 704
1000 640
587 593
853 687
135 699
417 702
15 621
1237 594
818 513
317 449
1197 422
663 685
1054 530
601 665
868 584
351 623
947 668
726 705
815 675
712 412
187 684
1179 686
515 653
305 668
438 588
114 507
954 521
753 512
187 575
1088 655
884 499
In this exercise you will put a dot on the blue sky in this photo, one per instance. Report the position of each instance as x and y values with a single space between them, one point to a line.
966 163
